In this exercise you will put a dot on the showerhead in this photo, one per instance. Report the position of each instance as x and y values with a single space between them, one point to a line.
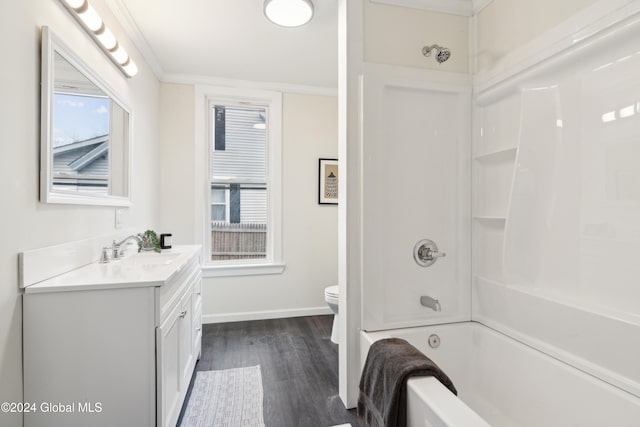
442 54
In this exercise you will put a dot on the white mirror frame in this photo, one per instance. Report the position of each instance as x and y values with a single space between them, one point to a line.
51 44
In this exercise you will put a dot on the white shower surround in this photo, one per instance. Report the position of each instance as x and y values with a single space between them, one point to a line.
562 238
416 186
556 310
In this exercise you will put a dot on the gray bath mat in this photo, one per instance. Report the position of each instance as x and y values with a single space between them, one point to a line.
229 398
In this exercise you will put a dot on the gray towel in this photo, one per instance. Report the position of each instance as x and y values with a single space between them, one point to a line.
383 385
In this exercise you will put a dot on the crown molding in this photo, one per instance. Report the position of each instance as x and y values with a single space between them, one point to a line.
454 7
251 84
478 5
129 25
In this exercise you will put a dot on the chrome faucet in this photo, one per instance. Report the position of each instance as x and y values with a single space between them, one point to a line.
432 303
116 252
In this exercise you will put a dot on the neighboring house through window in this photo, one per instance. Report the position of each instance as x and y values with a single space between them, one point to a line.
80 152
244 181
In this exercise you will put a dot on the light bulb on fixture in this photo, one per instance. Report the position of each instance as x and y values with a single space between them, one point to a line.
130 68
90 17
119 54
106 38
75 4
288 13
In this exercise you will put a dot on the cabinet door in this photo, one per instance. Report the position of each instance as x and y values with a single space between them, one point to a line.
186 355
169 371
197 333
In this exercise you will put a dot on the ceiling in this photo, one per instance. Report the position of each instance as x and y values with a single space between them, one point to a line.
231 39
195 40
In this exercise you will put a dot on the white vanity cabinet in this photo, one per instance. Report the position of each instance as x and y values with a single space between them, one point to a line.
113 344
178 341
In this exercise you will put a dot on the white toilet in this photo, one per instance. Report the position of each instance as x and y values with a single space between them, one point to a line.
331 297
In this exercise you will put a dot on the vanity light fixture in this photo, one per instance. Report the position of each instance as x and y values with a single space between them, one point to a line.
93 24
106 38
288 13
89 17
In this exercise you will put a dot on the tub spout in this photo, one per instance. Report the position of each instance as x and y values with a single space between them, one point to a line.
432 303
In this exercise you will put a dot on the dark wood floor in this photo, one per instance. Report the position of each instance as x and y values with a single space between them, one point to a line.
299 366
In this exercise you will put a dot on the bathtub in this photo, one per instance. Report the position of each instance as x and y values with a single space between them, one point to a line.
504 383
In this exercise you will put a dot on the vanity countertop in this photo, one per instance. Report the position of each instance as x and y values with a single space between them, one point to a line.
136 270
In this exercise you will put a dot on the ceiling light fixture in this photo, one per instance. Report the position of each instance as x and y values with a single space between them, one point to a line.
93 24
288 13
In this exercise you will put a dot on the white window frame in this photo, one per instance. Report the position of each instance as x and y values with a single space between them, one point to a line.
205 98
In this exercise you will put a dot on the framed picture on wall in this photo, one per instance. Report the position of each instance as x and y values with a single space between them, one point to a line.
328 182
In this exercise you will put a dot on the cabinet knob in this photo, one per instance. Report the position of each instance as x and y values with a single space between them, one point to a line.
182 314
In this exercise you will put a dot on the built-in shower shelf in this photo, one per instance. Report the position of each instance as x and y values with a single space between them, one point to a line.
490 218
497 155
481 280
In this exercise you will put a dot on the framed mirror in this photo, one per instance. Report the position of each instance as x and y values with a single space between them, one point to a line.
85 144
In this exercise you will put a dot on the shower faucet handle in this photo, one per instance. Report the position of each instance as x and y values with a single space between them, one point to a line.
430 254
425 253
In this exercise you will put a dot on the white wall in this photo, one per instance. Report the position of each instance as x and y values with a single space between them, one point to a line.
26 223
396 35
380 40
310 230
177 159
351 52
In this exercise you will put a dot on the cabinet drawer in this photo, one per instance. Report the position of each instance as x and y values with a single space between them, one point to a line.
167 292
169 297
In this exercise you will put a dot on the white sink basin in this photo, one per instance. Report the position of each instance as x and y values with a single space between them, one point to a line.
151 258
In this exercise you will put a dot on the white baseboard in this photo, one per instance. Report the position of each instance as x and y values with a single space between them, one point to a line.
267 314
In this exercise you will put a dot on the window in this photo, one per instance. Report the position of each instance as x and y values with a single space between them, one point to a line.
243 180
80 154
219 203
238 183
